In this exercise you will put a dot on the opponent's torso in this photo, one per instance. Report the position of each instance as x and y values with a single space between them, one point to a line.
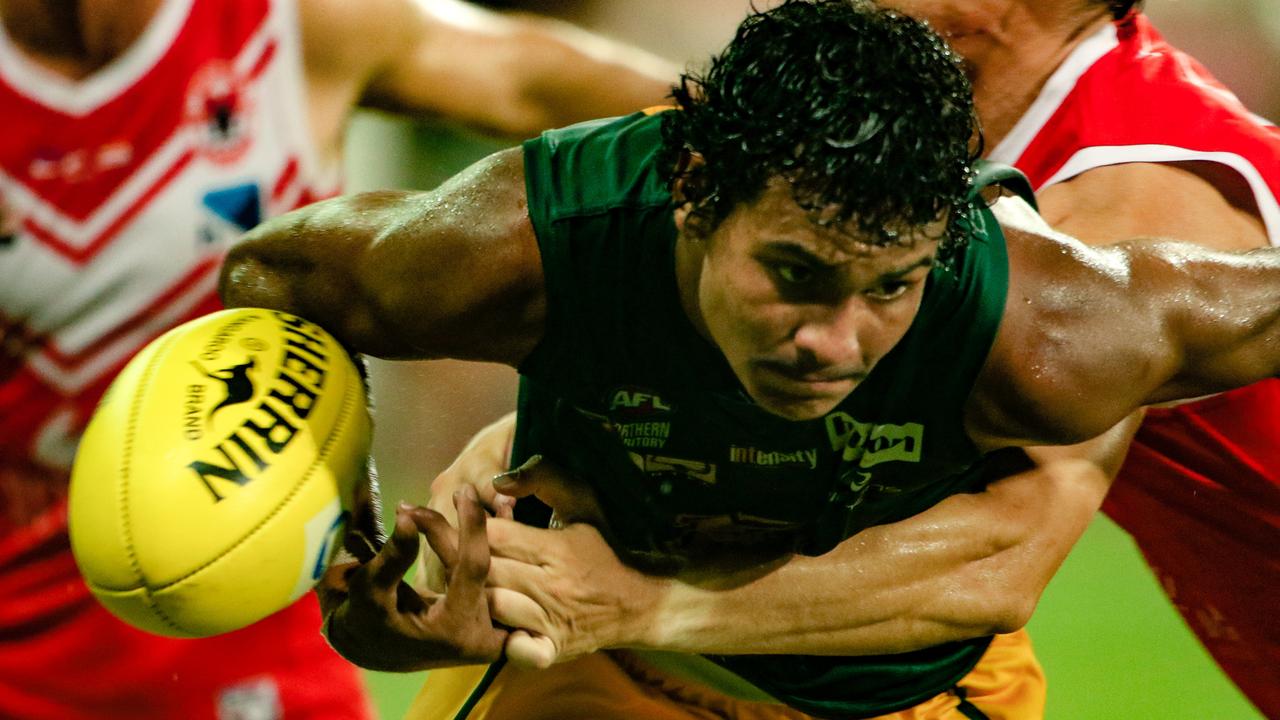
1200 488
625 394
126 189
1124 95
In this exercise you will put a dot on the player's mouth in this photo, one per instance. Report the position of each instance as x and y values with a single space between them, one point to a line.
785 380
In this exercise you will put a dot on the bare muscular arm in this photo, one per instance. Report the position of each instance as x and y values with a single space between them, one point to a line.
973 565
512 74
454 272
1150 320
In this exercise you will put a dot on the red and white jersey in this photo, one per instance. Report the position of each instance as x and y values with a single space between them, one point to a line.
126 189
1200 488
1124 95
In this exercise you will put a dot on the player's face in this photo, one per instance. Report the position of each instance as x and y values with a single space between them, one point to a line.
801 312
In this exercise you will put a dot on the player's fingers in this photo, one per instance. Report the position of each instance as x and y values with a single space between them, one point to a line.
337 577
473 544
522 577
444 487
360 544
505 507
334 586
518 482
467 578
572 499
434 574
520 542
397 556
441 536
526 650
517 610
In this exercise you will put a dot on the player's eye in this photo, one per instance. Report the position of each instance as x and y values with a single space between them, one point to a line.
793 274
889 290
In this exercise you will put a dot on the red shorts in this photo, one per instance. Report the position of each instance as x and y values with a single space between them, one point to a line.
1200 493
62 657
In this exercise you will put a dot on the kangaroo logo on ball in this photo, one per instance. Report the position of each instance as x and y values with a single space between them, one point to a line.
236 379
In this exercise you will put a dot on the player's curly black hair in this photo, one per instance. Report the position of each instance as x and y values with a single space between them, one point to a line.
865 111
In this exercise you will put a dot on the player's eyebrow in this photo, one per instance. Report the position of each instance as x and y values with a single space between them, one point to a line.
925 262
803 253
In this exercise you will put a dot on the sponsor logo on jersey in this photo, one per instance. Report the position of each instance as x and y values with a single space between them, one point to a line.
700 470
643 434
217 109
869 444
253 445
774 458
77 165
633 402
226 213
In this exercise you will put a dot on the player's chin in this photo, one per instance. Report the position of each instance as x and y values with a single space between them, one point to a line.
801 403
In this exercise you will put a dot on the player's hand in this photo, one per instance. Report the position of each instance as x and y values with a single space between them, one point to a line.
484 457
566 593
571 499
377 621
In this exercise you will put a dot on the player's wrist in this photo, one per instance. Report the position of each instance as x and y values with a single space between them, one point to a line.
656 615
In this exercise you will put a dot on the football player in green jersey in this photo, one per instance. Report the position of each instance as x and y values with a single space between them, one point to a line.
803 261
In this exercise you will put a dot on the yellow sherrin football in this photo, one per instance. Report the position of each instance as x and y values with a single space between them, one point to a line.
214 480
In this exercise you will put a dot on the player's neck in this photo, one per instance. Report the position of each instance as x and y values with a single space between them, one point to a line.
75 38
1009 75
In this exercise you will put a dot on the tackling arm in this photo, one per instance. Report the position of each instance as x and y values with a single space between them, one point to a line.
972 565
975 564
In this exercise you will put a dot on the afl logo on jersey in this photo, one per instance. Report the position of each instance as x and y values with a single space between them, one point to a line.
217 110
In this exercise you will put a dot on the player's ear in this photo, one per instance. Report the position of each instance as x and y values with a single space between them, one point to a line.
685 187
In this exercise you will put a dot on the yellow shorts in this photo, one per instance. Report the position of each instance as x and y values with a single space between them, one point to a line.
1007 684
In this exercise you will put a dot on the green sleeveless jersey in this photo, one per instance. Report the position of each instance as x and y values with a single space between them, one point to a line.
624 393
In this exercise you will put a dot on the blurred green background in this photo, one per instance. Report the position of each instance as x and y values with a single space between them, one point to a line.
1112 645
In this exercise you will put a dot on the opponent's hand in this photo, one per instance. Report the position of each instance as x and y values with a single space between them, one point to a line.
567 593
377 621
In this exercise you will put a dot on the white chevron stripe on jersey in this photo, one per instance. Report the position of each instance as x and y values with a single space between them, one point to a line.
72 378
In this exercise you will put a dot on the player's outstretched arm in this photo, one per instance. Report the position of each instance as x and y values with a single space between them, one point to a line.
512 74
1092 333
454 272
